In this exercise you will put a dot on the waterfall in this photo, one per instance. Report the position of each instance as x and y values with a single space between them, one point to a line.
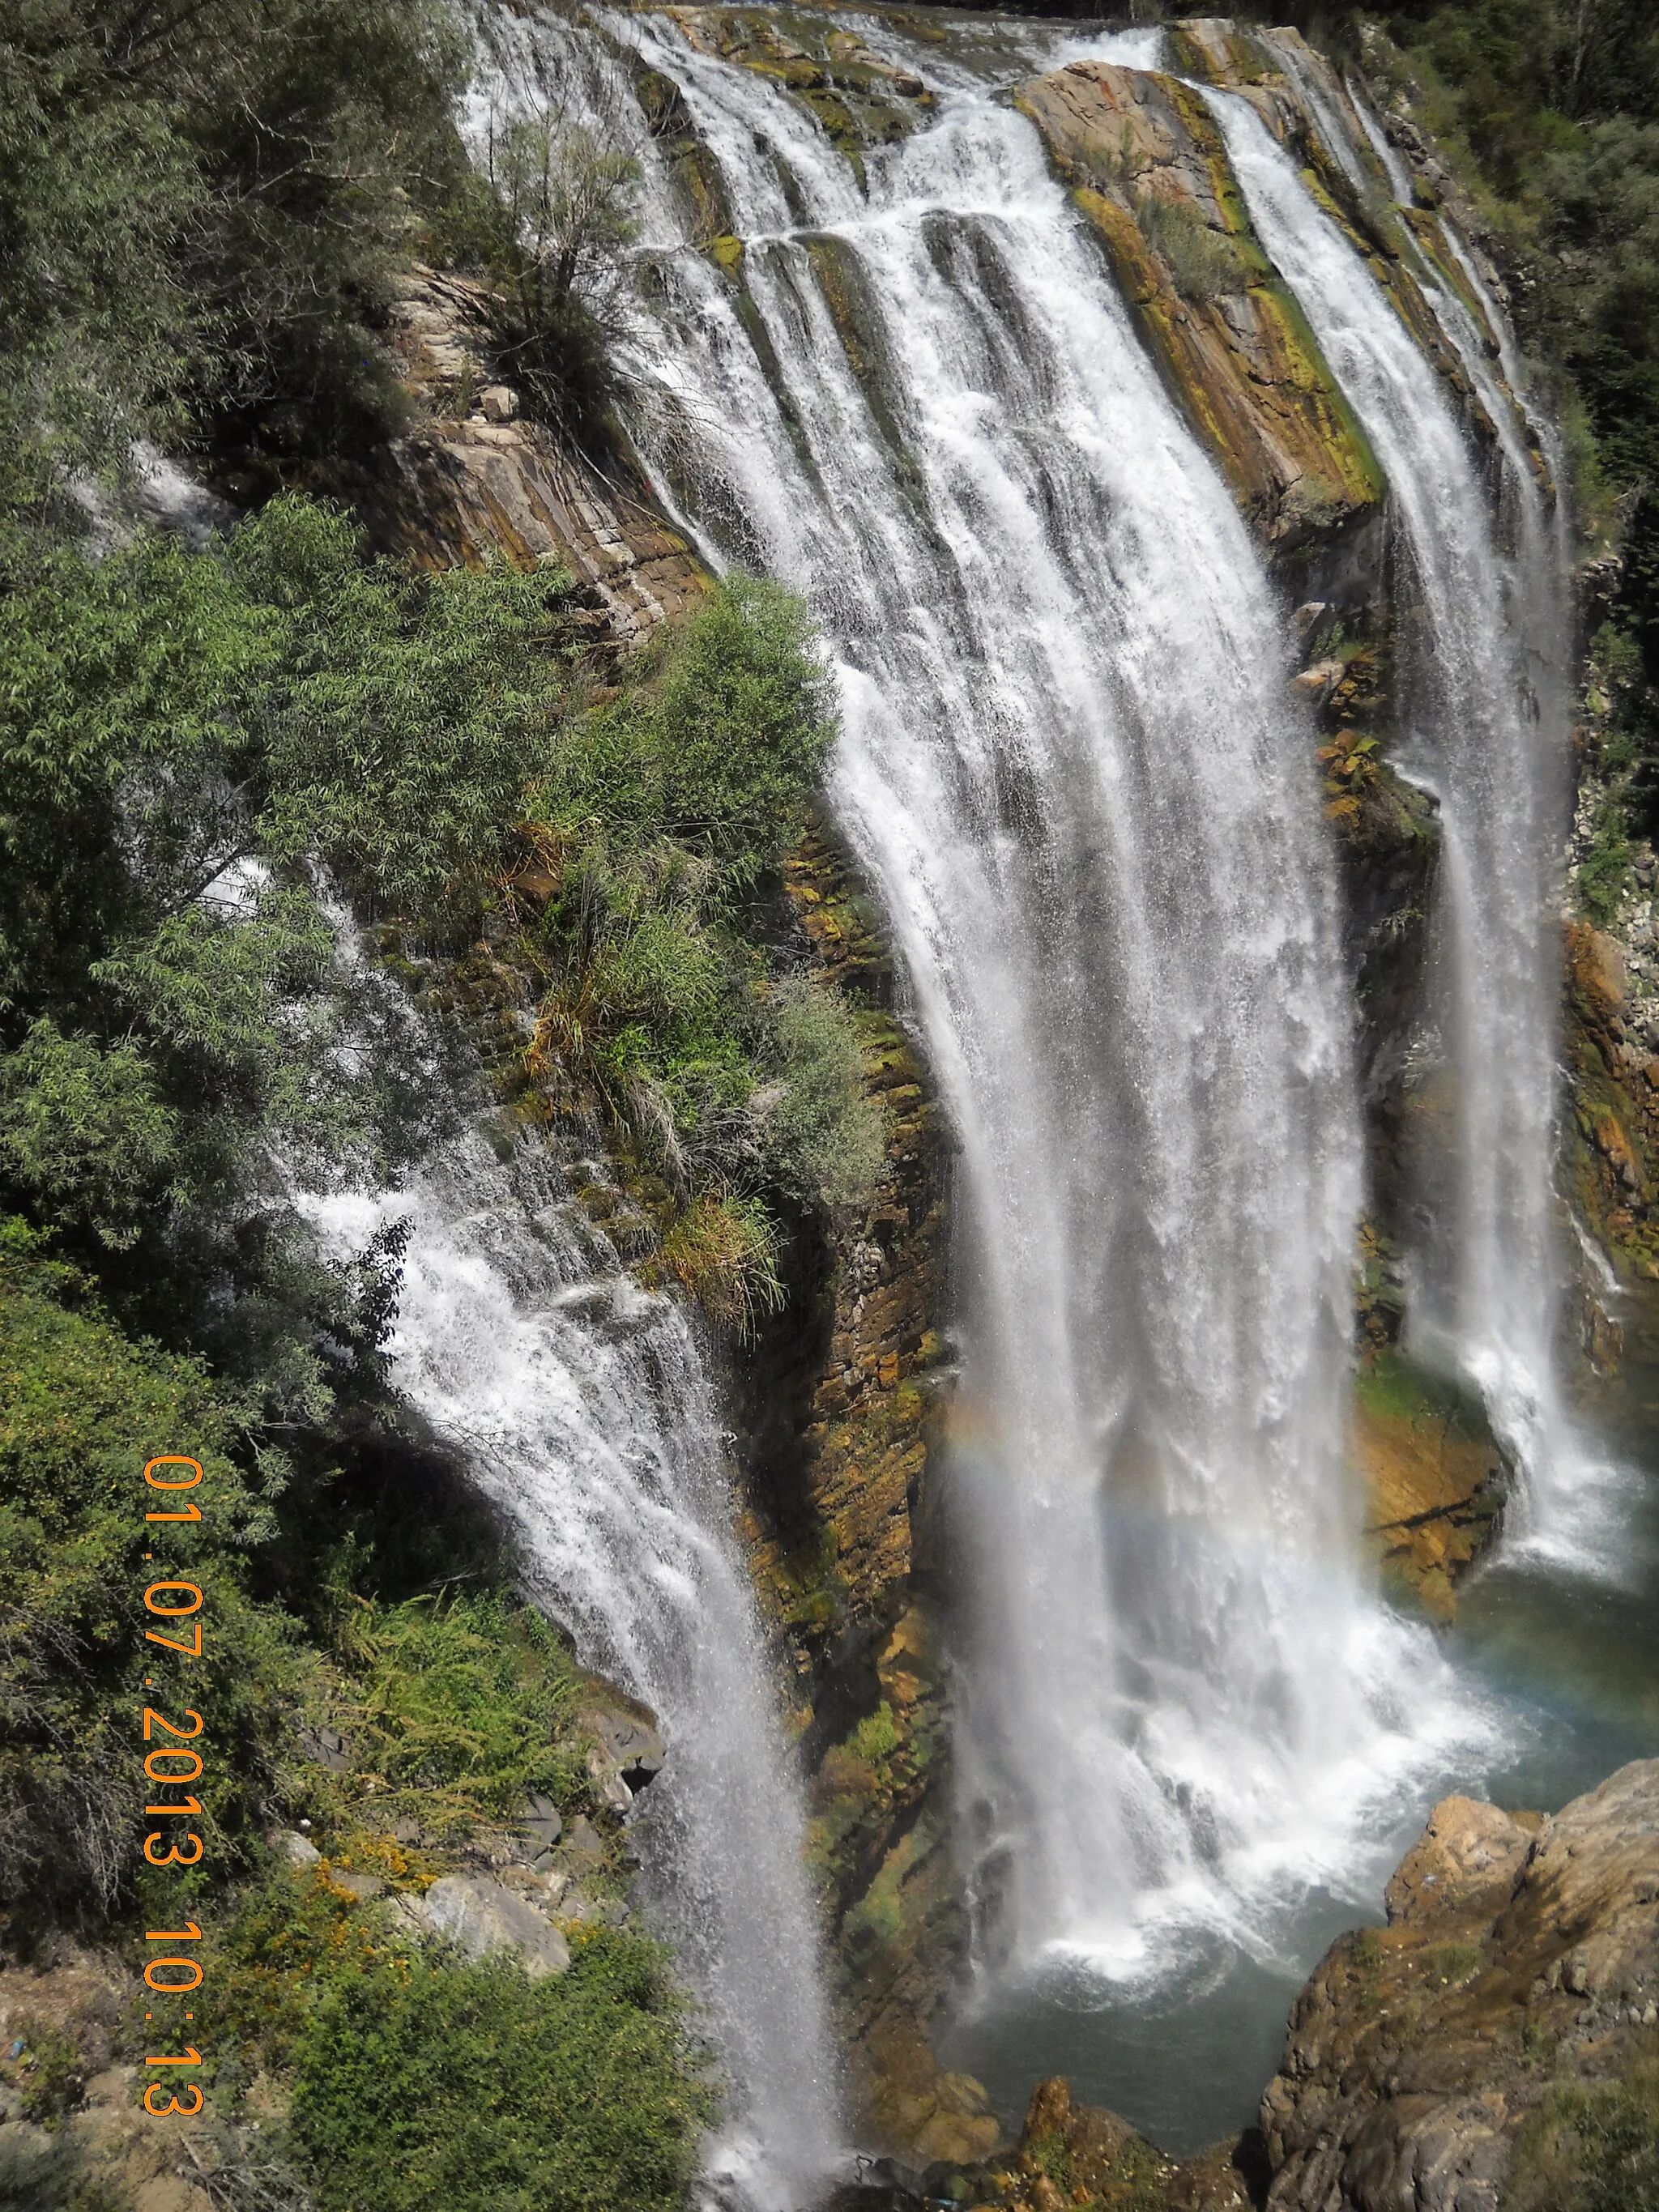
1072 762
582 1408
1484 594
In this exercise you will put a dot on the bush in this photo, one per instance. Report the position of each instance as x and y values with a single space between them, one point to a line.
551 240
662 814
461 1709
82 1409
51 2074
202 210
188 740
825 1138
477 2089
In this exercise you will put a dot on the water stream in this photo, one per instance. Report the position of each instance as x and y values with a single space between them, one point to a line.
1072 760
583 1409
1483 593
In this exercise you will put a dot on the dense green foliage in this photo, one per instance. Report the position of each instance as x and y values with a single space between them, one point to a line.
659 817
202 209
457 1708
82 1409
477 2089
187 741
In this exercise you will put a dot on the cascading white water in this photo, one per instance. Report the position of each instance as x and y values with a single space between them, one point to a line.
582 1408
1487 736
1071 760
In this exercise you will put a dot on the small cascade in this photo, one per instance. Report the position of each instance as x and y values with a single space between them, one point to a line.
582 1408
1482 584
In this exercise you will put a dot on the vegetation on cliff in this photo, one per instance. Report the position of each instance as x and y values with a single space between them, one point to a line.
350 1588
269 811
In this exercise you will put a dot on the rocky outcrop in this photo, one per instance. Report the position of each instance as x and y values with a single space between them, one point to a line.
1308 107
1147 167
480 1916
1436 1482
473 481
860 98
1615 1137
1519 1968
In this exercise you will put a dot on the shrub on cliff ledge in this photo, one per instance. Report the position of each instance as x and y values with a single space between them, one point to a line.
474 2089
1591 2149
665 810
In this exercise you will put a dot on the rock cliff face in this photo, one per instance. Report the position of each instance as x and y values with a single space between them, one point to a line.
472 481
838 1398
846 1392
1519 1970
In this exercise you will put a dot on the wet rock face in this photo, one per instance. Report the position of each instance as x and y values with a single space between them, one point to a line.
844 1396
1613 1028
1147 167
1521 1957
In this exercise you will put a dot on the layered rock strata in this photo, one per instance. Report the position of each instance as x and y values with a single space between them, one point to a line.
1146 165
473 481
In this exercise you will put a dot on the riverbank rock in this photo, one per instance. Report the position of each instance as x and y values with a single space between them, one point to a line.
480 1916
1435 2063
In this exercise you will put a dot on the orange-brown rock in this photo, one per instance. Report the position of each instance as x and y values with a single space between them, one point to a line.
1519 1965
1616 1100
1304 101
1147 166
1435 1481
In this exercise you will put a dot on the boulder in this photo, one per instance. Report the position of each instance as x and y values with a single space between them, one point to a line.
362 1886
481 1917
